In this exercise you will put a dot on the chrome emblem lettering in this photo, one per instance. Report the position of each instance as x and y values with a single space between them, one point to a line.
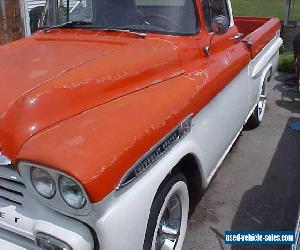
156 152
3 216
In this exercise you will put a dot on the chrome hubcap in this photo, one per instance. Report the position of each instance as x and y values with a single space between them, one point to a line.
262 102
169 225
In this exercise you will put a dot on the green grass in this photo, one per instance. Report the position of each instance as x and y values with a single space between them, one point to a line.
264 8
286 62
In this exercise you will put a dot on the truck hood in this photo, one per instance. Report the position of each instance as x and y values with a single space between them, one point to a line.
53 76
28 64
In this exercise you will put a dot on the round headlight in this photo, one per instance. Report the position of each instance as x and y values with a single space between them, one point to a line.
43 182
71 192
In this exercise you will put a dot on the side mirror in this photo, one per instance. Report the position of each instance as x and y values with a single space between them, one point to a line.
220 25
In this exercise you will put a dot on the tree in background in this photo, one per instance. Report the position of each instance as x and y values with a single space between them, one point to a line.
11 24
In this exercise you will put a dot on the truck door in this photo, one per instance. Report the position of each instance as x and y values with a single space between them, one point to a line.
226 66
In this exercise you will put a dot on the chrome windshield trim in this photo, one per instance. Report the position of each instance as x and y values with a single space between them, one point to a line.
4 160
156 152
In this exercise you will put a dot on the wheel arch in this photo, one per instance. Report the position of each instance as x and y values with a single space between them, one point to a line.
190 167
266 74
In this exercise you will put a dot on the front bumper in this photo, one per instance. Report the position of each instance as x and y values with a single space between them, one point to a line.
22 217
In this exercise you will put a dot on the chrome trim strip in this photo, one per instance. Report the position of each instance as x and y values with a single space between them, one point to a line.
4 161
156 152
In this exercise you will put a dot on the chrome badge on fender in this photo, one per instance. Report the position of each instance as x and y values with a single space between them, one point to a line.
156 152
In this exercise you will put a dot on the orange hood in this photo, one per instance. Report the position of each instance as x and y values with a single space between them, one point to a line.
53 76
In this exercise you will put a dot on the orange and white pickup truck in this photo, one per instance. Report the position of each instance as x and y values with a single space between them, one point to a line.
117 113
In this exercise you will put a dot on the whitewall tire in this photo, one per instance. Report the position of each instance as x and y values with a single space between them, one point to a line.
168 218
258 114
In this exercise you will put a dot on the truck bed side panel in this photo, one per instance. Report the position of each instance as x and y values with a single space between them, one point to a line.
258 30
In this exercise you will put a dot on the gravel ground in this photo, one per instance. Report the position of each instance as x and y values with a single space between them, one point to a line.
258 186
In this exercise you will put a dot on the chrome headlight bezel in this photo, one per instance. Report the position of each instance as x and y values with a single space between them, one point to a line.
63 182
36 174
57 202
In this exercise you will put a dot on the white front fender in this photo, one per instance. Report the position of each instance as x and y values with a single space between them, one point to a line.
126 211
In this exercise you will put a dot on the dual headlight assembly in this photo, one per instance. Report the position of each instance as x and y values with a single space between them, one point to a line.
69 190
54 188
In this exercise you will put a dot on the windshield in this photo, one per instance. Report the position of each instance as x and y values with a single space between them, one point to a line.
163 16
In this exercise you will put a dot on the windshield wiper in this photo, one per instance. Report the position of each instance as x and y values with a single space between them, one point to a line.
140 34
78 23
69 24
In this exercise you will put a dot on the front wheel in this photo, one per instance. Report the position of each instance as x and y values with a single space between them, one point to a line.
168 216
258 114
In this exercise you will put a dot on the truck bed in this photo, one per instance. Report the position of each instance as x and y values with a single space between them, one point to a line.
259 30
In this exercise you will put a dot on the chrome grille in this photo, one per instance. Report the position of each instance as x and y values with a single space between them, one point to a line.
11 186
